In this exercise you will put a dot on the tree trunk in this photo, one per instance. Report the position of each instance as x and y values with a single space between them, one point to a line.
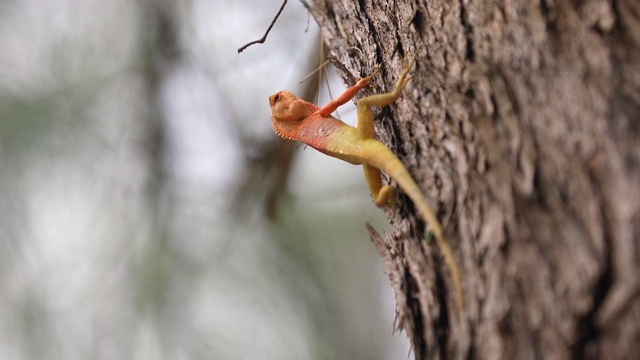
522 127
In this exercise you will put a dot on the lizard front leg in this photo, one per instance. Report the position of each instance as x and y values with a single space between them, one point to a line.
332 105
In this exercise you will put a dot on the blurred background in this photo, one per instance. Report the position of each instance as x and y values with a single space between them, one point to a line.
147 211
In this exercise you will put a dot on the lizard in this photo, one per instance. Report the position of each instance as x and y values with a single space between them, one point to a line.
299 120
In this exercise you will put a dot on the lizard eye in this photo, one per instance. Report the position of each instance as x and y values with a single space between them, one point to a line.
276 97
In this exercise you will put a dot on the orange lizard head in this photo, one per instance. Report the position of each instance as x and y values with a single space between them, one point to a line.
285 106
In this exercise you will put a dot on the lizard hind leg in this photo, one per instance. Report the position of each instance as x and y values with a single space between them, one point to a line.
387 197
382 195
388 98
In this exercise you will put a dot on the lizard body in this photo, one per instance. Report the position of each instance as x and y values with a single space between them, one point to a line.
299 120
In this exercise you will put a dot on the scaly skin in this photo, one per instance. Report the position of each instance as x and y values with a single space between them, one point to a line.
299 120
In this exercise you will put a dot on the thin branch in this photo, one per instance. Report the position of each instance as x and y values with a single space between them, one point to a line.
264 37
319 68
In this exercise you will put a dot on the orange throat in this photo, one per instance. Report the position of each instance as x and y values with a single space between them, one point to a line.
314 131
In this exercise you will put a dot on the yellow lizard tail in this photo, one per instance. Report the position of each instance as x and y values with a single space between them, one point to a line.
386 161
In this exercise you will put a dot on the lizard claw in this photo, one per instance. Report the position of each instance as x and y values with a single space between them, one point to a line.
368 78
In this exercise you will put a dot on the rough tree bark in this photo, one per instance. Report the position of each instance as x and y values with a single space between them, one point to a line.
522 125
